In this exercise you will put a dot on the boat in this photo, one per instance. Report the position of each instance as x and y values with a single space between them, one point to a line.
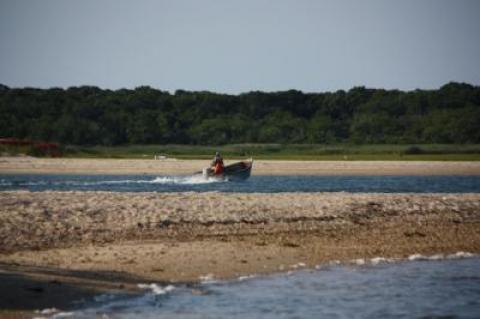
238 171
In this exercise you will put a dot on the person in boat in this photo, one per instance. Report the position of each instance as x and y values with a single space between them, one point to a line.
217 164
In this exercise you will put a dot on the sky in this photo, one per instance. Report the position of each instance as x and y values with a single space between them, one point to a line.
239 46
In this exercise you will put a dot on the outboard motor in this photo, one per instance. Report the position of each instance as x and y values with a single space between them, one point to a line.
205 172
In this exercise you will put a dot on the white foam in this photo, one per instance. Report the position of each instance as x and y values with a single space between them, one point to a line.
185 180
379 260
54 313
359 261
156 289
207 279
423 257
461 254
242 278
416 257
457 255
47 311
163 180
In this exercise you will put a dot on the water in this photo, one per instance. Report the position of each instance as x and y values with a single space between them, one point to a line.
262 184
448 288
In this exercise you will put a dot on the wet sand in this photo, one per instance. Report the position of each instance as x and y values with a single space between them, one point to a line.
85 242
17 165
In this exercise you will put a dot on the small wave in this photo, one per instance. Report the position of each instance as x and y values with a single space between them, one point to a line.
53 313
246 277
461 254
156 289
22 183
384 260
381 260
422 257
298 265
457 255
5 183
207 279
359 261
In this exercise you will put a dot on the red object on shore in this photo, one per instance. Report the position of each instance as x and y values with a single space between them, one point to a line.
14 141
50 149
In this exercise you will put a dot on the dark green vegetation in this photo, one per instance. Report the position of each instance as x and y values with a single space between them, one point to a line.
92 116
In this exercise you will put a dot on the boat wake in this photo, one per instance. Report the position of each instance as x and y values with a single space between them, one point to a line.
159 180
185 180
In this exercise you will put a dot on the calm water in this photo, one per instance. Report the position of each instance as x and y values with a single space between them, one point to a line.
264 184
447 288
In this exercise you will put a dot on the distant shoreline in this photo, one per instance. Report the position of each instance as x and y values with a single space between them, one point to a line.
31 165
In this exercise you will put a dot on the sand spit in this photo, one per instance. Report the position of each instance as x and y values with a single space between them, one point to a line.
39 220
85 241
17 165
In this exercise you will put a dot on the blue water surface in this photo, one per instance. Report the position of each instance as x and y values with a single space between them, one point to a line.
262 184
411 289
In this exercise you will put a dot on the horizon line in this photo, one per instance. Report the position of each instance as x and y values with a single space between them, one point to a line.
174 92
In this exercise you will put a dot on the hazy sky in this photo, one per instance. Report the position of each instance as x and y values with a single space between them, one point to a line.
238 46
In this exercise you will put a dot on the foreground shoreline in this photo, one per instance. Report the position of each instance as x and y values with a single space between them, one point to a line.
57 247
30 165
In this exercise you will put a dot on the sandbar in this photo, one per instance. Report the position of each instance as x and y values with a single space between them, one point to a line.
75 244
31 165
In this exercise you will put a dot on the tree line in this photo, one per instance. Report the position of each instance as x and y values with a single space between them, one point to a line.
88 115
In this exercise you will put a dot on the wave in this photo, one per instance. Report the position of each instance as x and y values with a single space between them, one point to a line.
108 303
207 279
457 255
156 289
413 257
4 183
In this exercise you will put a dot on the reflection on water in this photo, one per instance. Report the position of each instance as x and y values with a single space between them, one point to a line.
418 288
263 184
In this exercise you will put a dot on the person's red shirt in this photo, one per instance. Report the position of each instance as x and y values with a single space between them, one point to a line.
219 168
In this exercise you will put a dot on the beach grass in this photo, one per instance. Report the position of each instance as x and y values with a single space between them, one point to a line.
426 152
327 152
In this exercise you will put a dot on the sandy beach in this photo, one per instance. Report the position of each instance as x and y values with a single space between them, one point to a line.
85 242
24 165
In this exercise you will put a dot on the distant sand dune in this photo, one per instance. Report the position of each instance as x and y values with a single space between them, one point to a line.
182 167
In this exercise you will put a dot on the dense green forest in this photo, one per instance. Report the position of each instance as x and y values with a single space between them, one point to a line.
91 116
